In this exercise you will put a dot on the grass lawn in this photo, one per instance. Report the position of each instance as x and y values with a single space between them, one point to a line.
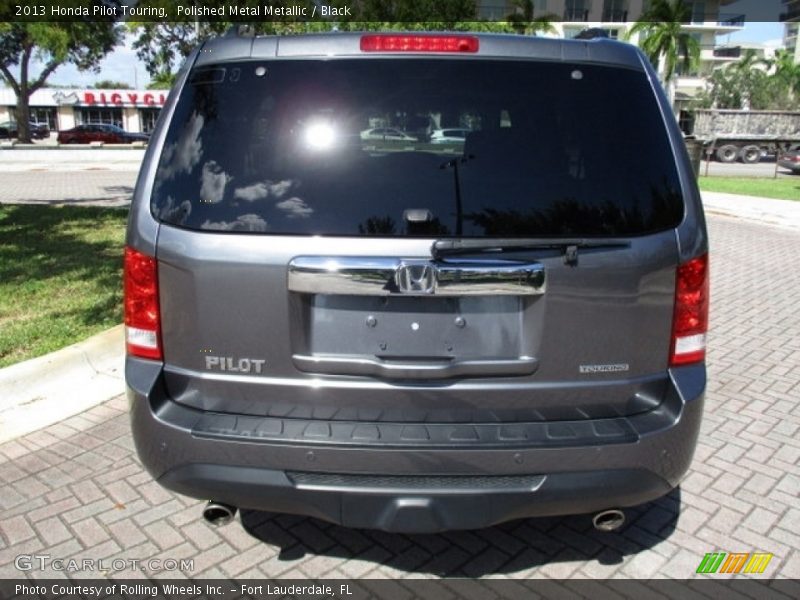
785 188
60 276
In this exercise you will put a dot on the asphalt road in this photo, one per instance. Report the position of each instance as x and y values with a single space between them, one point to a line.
77 490
737 169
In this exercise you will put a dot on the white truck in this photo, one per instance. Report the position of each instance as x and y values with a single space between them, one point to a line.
746 135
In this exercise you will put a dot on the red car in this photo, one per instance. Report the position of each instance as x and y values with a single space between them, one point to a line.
96 132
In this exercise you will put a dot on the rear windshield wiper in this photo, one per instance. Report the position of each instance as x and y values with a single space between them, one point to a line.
444 248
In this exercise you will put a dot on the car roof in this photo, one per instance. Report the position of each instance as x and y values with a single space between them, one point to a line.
330 45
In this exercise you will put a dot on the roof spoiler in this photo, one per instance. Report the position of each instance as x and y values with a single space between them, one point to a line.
592 33
241 30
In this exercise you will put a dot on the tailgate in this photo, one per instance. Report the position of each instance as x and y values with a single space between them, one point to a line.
551 341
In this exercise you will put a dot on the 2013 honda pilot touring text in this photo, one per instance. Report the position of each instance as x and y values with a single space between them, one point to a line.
390 332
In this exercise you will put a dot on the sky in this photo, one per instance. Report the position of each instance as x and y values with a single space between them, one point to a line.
123 65
119 65
760 32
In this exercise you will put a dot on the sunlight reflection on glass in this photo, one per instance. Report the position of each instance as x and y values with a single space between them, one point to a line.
320 136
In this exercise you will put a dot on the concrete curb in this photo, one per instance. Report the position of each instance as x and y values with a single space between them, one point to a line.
53 158
50 388
768 211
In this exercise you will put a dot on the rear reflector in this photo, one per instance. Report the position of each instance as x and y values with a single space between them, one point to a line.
690 320
419 43
142 320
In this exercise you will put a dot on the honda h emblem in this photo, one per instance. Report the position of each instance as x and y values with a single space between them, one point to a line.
415 278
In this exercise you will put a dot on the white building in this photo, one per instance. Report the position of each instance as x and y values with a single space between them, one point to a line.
791 32
64 108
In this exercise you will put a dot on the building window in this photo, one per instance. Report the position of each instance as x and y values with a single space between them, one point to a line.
147 119
615 11
699 12
728 52
576 10
38 115
105 116
44 116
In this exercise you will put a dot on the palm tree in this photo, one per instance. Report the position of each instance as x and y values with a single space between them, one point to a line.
747 74
754 83
524 23
786 71
664 41
162 80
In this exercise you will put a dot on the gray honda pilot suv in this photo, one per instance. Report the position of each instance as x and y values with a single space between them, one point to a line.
387 332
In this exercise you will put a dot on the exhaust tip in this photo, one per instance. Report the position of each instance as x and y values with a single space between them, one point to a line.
218 513
608 520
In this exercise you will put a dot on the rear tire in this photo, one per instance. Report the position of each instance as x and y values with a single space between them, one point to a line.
750 155
727 153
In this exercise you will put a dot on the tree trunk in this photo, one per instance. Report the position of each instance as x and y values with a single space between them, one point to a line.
23 117
670 84
671 91
23 100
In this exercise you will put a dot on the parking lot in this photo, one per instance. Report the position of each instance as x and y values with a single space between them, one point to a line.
77 490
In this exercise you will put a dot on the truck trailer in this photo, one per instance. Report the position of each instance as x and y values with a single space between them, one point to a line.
746 135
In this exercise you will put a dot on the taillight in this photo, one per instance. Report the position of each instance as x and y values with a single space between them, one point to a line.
419 43
142 320
690 320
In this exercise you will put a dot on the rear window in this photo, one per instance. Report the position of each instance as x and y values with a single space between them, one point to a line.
343 147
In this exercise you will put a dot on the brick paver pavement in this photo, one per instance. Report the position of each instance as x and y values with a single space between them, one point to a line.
76 489
92 186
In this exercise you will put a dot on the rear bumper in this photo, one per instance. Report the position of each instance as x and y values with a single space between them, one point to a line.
438 483
410 506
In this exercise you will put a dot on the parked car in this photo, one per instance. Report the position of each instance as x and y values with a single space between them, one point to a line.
386 134
97 132
401 342
790 160
449 135
38 131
